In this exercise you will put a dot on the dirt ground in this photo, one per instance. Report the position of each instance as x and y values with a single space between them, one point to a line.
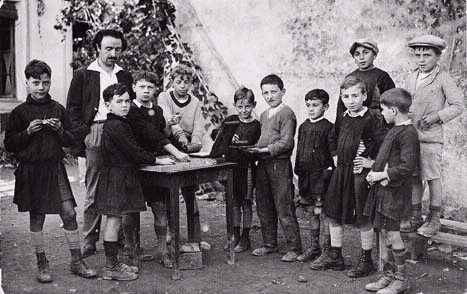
440 274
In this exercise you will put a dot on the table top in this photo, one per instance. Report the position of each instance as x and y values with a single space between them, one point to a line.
180 167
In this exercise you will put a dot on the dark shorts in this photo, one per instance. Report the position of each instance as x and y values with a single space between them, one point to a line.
154 193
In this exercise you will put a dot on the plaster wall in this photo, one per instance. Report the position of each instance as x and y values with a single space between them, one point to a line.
307 43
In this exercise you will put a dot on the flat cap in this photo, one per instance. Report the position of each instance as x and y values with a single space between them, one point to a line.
427 41
370 44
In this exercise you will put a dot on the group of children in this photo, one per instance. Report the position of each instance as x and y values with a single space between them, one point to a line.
366 169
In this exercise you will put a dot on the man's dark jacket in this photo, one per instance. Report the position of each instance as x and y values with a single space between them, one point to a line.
83 102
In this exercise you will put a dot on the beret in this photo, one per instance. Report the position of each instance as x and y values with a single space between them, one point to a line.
370 44
427 41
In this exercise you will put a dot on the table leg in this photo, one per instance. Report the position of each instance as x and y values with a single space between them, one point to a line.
229 203
174 224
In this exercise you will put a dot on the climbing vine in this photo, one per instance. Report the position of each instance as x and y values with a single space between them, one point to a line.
154 43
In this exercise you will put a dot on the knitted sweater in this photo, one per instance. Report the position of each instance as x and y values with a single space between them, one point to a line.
277 132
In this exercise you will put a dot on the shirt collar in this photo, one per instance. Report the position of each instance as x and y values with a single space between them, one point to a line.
316 120
139 104
361 113
95 67
405 123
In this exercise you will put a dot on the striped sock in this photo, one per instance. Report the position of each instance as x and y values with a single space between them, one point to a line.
72 238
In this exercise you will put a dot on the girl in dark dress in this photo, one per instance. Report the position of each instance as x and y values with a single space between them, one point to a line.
247 134
119 191
35 134
358 142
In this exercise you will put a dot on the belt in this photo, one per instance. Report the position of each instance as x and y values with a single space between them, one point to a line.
98 121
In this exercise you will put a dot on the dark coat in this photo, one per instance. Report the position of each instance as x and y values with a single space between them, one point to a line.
41 182
119 190
83 102
148 125
400 150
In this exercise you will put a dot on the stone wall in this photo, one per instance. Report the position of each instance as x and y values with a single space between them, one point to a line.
306 43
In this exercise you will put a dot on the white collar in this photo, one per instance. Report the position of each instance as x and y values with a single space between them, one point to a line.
405 123
361 113
95 67
316 120
139 104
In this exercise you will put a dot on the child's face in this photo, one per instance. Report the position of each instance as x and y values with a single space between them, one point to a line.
272 94
244 108
144 90
119 105
181 85
426 59
389 113
364 57
353 98
38 88
315 108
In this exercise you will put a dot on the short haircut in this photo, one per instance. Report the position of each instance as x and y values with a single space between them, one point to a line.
181 70
145 75
435 49
243 93
351 81
397 97
114 90
272 79
35 68
110 33
318 94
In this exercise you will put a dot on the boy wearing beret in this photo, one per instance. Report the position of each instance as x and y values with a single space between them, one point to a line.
376 80
436 100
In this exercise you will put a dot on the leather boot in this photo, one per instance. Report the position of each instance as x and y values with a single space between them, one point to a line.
313 251
78 266
384 281
44 275
364 267
331 259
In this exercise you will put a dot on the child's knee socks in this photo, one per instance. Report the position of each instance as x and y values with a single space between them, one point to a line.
337 234
366 237
37 240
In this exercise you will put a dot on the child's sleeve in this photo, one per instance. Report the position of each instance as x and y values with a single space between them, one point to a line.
408 158
163 101
16 134
373 135
298 168
285 142
256 134
199 126
454 99
385 83
68 138
332 140
125 140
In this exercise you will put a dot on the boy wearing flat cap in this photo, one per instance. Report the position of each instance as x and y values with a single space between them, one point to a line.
377 81
436 100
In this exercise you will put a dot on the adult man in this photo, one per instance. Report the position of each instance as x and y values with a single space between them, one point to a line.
87 112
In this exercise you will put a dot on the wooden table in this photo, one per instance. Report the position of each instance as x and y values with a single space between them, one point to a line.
193 173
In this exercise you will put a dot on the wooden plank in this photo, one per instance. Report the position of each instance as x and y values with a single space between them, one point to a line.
450 239
453 225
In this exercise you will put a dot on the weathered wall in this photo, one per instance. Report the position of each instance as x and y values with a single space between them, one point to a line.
306 43
36 38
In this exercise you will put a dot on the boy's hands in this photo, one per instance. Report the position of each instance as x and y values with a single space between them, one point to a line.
54 123
164 161
428 120
362 162
235 139
183 140
175 119
334 159
181 156
256 150
34 126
